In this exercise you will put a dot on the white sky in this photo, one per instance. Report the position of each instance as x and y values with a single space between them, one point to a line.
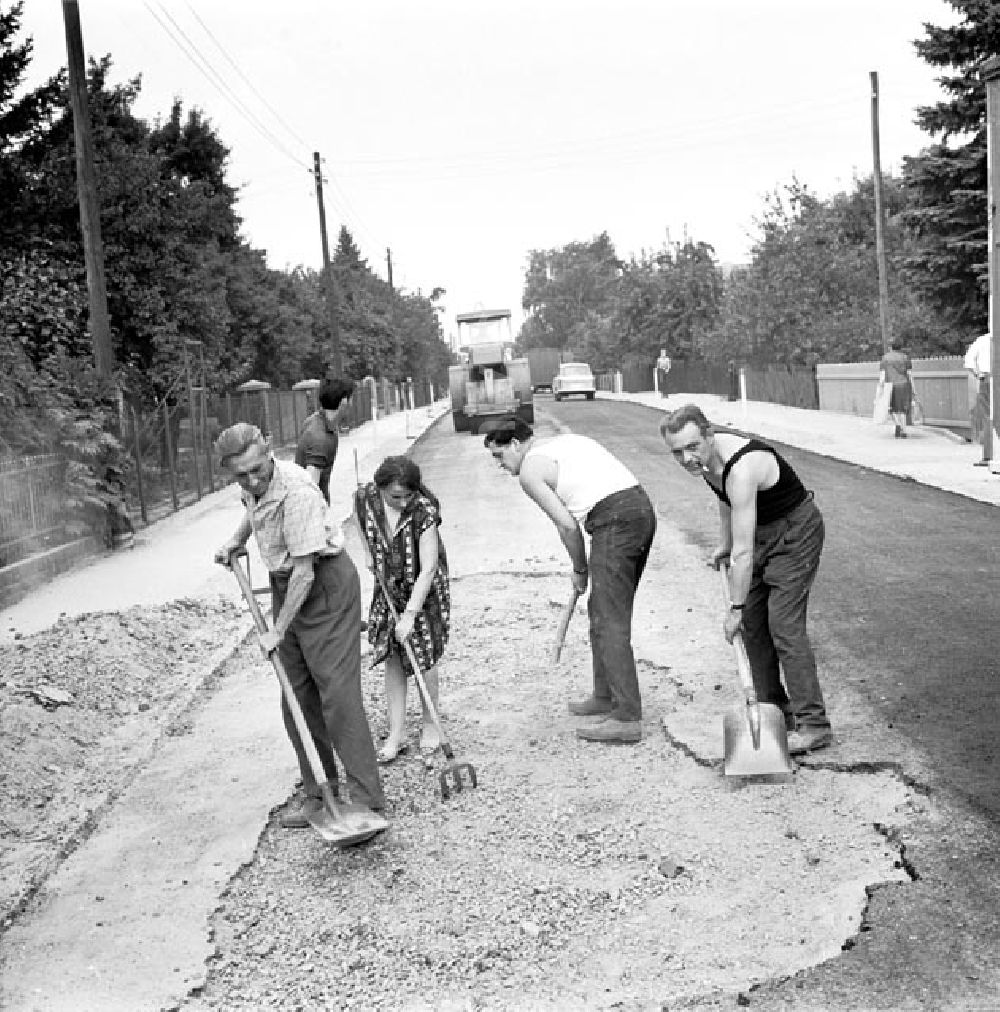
464 133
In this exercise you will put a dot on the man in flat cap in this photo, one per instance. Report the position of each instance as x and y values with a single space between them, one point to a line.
316 605
575 480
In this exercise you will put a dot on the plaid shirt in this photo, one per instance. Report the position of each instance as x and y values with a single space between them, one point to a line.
292 519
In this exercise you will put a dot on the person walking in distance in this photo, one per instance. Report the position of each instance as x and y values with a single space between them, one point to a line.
894 370
399 520
575 480
316 604
320 436
772 532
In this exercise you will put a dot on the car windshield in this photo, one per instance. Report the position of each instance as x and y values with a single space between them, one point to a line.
576 370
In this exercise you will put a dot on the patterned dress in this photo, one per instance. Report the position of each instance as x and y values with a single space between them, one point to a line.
397 558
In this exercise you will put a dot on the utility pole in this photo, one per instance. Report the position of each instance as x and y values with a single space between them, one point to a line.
336 362
86 186
885 322
990 75
388 260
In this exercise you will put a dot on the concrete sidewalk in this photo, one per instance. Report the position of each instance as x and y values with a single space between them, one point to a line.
173 558
929 455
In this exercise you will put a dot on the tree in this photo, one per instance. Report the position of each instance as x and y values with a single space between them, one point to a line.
670 300
947 181
565 288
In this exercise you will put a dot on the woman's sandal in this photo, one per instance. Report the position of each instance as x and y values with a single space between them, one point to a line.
390 753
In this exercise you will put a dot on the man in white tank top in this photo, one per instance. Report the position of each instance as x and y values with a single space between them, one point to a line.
576 481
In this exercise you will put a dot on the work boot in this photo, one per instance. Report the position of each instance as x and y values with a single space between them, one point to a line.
623 732
591 706
294 816
809 739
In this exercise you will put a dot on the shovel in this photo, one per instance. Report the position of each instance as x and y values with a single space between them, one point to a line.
337 823
451 777
754 736
567 614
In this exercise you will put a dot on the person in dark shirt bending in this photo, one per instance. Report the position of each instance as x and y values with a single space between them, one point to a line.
319 439
772 532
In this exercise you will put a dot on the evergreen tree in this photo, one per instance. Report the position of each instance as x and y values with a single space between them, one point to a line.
947 181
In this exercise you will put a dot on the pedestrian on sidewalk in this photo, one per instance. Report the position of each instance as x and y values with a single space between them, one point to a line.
663 364
316 609
575 480
894 370
399 519
772 532
319 438
979 362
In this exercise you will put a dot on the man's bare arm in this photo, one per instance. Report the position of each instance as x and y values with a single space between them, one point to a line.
538 480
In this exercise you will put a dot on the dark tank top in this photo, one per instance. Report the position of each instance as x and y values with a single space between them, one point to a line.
772 503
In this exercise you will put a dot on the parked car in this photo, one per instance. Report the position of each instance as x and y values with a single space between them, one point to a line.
574 378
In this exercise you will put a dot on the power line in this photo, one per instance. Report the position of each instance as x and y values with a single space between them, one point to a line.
247 80
216 80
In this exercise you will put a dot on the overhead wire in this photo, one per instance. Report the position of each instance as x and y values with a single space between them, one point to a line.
267 105
194 54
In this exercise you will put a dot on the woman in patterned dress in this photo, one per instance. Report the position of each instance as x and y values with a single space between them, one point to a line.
399 519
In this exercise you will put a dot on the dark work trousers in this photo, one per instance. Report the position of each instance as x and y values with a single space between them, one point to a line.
785 560
621 528
322 654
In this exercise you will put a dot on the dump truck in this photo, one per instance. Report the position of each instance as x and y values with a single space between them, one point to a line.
544 363
489 380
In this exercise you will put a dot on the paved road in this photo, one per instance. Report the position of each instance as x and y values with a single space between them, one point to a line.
905 618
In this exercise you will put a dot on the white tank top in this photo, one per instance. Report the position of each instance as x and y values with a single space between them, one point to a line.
586 472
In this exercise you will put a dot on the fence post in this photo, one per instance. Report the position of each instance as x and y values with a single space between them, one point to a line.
138 464
743 390
170 455
229 409
281 427
205 438
191 424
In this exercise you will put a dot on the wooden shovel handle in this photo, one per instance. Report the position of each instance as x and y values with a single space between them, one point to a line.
739 648
567 614
418 675
312 755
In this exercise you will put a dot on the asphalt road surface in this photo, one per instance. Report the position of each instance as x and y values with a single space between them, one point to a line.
904 617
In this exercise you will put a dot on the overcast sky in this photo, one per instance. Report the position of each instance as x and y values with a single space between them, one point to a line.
464 133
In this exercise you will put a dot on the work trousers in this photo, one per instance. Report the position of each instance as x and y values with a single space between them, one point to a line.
321 652
785 560
621 527
982 424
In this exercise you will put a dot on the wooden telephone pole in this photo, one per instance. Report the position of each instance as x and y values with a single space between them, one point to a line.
336 361
990 75
388 261
885 322
86 186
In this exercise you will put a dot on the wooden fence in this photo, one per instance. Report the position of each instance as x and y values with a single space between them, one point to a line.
171 462
940 384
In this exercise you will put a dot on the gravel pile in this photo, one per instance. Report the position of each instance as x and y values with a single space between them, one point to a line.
81 704
576 875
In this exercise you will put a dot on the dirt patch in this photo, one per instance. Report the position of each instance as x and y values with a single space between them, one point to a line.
81 706
575 875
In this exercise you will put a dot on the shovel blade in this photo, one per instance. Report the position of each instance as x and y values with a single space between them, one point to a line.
755 742
343 825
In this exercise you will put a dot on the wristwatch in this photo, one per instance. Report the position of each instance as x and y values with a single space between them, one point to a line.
738 607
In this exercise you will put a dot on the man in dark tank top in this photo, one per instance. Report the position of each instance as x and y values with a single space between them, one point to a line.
772 533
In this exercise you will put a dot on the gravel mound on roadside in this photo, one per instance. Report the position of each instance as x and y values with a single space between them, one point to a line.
81 705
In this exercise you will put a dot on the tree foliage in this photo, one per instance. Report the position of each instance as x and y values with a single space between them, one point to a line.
179 272
949 265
